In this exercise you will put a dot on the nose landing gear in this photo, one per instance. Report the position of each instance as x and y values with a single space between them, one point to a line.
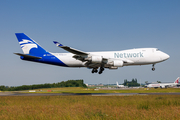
153 69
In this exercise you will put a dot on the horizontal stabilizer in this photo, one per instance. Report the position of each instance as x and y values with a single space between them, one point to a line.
69 49
28 56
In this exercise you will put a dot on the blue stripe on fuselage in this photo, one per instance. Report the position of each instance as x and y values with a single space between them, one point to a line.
48 59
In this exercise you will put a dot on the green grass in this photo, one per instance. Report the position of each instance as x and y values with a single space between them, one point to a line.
164 107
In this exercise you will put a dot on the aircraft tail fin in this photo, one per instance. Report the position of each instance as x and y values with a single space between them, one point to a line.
177 80
117 83
29 46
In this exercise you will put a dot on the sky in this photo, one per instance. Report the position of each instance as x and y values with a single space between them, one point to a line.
89 25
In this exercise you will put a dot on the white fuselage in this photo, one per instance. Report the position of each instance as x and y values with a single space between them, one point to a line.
141 56
162 85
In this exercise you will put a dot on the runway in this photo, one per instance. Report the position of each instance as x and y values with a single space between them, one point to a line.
80 94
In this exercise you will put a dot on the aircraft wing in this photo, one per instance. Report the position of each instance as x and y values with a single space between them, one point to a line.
83 56
69 49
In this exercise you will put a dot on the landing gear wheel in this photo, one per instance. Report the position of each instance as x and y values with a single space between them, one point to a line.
94 70
101 70
153 69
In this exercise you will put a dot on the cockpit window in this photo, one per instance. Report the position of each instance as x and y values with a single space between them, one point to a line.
157 49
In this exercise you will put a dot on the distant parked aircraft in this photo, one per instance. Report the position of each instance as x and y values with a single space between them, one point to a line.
93 60
119 86
163 85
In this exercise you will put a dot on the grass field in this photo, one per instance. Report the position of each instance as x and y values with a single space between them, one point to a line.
156 107
150 107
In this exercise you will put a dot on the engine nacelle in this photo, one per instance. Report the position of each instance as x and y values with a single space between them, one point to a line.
96 59
115 63
118 63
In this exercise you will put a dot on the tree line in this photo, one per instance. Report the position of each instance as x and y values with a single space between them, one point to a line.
132 83
69 83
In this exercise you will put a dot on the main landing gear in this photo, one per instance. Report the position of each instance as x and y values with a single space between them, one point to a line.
153 69
94 70
101 70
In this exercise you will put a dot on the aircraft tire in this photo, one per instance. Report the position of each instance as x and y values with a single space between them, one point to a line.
153 69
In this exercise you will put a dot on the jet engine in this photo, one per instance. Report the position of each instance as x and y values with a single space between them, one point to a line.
116 63
95 59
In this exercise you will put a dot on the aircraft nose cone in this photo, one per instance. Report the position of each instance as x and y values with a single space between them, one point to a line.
165 56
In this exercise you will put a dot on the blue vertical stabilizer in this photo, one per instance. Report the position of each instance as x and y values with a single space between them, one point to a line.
29 46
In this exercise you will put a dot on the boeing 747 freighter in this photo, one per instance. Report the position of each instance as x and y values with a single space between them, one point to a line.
97 61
